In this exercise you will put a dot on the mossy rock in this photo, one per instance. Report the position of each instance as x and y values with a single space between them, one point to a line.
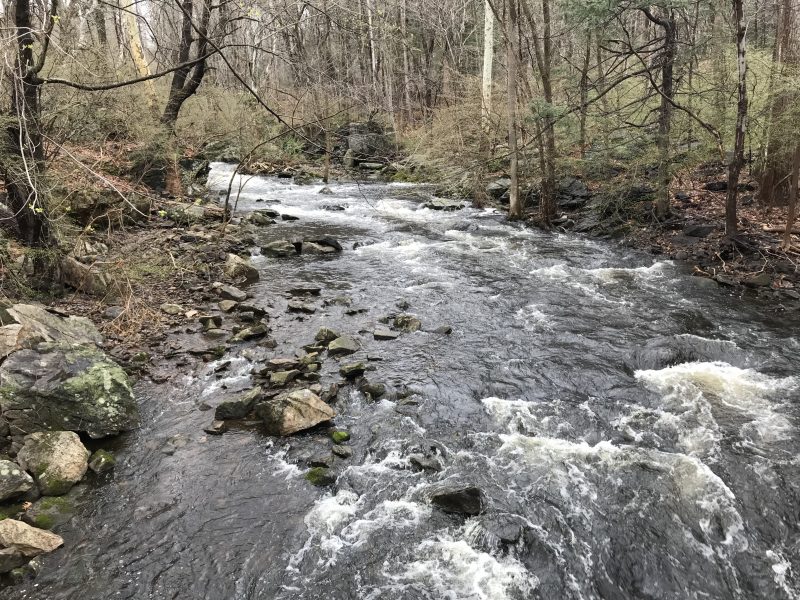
320 476
66 387
340 436
102 461
50 512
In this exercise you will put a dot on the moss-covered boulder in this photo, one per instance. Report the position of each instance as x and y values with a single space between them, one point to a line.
50 512
57 460
102 461
66 387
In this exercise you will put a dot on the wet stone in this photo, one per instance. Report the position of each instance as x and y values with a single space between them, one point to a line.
343 451
385 334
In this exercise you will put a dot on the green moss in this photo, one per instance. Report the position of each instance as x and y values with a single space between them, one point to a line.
9 511
320 476
44 521
340 436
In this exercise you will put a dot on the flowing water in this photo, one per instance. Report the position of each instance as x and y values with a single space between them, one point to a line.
633 429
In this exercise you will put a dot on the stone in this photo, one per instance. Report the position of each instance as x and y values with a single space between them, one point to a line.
443 330
19 543
113 312
37 323
282 364
102 461
698 230
466 500
259 219
314 248
342 346
171 309
66 387
286 217
279 249
326 335
716 186
424 463
294 411
14 481
326 241
238 407
333 207
320 476
497 188
304 291
758 280
326 191
368 145
216 428
229 292
251 333
340 436
50 512
300 307
237 267
85 278
352 370
321 460
57 459
375 390
343 451
283 378
210 321
385 334
443 205
408 323
227 306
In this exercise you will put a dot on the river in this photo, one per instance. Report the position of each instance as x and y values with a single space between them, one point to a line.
633 430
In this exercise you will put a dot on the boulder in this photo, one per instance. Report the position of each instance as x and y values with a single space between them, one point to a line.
407 323
50 512
294 411
227 306
342 346
698 230
497 188
369 145
14 481
285 217
326 191
238 407
19 543
320 476
281 364
572 193
251 333
237 267
279 249
465 500
57 459
300 307
66 387
37 323
262 220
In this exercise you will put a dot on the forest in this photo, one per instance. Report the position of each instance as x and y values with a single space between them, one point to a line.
391 299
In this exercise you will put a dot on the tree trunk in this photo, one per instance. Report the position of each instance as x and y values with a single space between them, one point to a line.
791 207
23 162
131 20
584 92
488 61
515 205
737 161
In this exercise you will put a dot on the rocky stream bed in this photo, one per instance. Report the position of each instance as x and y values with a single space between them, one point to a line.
402 397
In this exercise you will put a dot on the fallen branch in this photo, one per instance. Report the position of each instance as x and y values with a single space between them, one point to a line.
778 229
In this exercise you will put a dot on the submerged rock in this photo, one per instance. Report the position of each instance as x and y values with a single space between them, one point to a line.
294 411
19 543
14 481
57 459
314 248
340 436
320 476
466 500
66 387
